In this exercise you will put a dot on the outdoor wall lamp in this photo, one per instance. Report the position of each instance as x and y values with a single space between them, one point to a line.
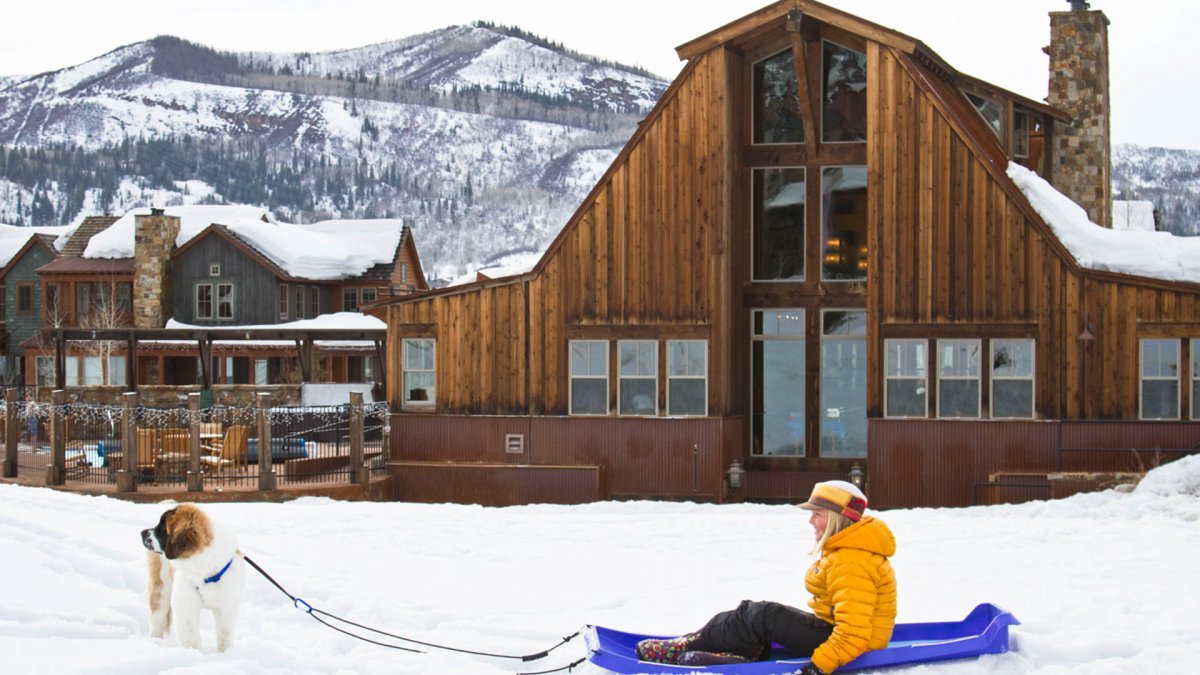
735 473
858 476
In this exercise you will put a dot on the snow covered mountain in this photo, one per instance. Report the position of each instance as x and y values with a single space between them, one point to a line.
1170 179
484 139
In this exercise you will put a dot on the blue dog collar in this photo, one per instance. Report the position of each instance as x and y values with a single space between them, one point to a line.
217 577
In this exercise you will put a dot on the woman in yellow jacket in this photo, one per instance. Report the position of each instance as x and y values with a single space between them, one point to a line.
853 604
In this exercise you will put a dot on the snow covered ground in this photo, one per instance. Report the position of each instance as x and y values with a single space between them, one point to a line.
1103 583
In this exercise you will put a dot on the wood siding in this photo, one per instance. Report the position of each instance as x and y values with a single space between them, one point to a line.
642 257
255 288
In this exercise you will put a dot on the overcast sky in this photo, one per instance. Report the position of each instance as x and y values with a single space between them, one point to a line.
1154 63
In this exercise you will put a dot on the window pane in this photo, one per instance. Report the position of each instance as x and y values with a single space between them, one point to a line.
72 372
1012 358
779 322
776 101
637 397
368 295
589 358
224 301
958 398
1020 134
844 223
419 386
778 239
93 374
1012 398
686 358
589 396
418 354
45 371
959 358
990 110
687 397
639 358
843 397
778 397
204 306
687 368
906 358
116 370
849 322
906 398
1160 399
349 299
1160 358
845 100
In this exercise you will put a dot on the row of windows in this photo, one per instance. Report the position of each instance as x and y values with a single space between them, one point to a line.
959 372
215 300
1161 379
777 116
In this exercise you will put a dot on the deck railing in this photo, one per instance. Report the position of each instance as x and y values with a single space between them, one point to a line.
193 448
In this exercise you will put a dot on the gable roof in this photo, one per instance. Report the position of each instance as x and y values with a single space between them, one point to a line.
90 227
46 241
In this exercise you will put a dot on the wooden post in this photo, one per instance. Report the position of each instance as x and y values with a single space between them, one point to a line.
266 472
127 474
195 477
56 473
358 469
12 433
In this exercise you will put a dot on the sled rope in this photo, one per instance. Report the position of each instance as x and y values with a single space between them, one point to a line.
318 613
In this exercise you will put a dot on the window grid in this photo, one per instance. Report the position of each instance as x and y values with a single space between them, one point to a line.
958 367
589 367
687 365
906 372
1013 362
420 372
1159 371
284 294
637 381
224 301
204 301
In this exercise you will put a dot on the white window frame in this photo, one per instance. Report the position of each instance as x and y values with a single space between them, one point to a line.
799 316
214 269
1031 378
364 292
687 376
232 302
1195 379
652 377
212 302
285 294
406 402
961 378
571 377
1142 378
925 379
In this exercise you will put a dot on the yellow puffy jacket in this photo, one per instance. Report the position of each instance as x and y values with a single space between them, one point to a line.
854 588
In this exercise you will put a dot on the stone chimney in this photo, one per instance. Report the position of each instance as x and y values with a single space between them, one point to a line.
1082 152
153 240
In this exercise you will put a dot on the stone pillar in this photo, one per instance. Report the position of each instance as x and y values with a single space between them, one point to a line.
1082 151
153 240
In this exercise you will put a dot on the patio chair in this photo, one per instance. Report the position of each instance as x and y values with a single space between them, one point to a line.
230 452
147 451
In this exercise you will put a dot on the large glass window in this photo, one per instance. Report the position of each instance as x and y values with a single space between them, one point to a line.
637 384
844 100
1160 379
958 378
776 101
687 377
905 378
778 246
777 382
589 377
44 365
420 375
1012 378
844 383
1196 379
349 299
1020 140
844 223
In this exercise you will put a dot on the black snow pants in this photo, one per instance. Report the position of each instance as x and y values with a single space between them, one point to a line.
750 629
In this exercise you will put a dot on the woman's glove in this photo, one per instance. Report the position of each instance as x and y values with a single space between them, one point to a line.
810 669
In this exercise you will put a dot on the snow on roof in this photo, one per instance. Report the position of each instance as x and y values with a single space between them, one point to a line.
508 266
1133 215
1159 255
117 240
13 238
332 321
331 249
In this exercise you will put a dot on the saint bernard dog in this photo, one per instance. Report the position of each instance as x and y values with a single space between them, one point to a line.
194 564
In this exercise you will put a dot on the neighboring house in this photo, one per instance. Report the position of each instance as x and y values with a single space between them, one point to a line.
222 267
22 251
816 251
1137 215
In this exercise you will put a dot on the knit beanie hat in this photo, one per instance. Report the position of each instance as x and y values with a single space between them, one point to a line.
838 496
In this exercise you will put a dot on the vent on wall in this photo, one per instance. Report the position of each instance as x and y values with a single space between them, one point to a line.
514 444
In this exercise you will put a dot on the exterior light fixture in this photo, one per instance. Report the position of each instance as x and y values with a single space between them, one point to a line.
858 476
735 474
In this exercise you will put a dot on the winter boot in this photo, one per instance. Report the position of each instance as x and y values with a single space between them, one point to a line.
665 650
709 659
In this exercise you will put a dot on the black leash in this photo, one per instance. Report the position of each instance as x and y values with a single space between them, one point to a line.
313 612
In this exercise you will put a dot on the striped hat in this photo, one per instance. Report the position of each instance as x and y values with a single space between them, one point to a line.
838 496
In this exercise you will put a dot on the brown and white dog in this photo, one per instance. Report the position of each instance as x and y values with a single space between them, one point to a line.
194 564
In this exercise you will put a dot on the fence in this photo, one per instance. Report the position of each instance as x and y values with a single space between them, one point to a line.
193 448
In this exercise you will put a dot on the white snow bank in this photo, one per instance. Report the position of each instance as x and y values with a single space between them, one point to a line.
331 321
116 241
508 266
1181 477
1159 255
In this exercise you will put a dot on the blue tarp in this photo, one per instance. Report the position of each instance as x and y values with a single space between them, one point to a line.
984 631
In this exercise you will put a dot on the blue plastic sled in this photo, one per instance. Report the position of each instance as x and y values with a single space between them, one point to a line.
984 631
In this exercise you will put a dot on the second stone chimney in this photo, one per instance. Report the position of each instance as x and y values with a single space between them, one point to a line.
153 240
1082 152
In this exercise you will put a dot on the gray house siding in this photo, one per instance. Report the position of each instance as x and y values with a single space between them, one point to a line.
255 287
22 326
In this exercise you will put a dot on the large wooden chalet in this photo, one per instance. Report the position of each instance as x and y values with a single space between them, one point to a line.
808 257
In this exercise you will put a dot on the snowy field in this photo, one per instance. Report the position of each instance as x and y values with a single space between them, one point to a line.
1103 583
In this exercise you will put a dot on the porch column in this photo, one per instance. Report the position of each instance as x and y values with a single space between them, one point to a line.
127 474
56 473
12 433
266 472
195 477
358 469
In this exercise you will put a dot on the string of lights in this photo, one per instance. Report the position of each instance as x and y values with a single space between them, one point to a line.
92 413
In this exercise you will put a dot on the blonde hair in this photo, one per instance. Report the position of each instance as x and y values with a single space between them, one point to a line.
834 523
